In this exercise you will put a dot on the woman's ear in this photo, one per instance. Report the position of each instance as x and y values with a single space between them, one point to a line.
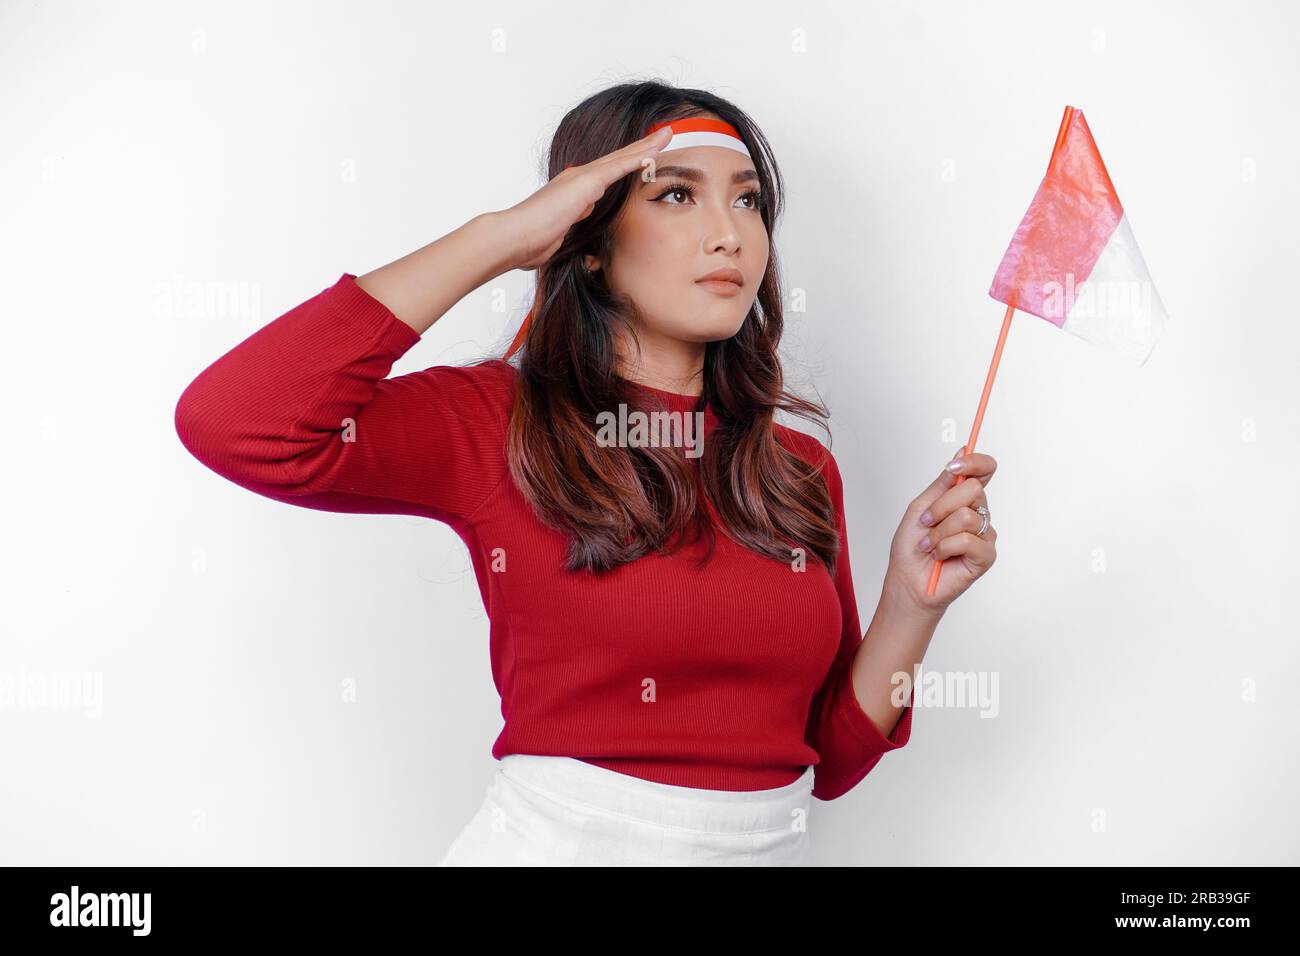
590 263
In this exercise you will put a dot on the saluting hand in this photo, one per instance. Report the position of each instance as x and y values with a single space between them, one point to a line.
539 223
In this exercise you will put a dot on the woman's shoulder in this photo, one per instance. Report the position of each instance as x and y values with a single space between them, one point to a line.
495 375
477 394
486 386
808 447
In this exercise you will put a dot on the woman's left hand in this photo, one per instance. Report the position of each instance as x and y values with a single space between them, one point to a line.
942 522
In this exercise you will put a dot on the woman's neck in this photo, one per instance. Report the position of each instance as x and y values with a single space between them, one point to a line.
678 369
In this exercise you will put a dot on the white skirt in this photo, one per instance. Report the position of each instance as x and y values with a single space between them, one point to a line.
561 811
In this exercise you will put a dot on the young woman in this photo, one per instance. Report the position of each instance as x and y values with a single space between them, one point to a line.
674 632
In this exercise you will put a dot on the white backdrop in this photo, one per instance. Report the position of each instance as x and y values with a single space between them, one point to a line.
176 175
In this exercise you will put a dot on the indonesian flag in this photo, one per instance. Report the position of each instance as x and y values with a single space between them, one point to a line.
1073 260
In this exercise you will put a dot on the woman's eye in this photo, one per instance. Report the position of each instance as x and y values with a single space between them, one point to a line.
754 198
674 191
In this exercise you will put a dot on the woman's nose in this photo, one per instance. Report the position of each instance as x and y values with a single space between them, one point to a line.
722 235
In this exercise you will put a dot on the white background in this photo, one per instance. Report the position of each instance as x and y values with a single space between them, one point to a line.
1137 615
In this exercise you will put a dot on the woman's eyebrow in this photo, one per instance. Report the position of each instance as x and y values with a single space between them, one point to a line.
698 175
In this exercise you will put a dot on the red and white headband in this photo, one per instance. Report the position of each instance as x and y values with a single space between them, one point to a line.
695 131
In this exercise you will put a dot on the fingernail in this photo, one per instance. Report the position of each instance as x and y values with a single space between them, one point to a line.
955 466
925 543
927 519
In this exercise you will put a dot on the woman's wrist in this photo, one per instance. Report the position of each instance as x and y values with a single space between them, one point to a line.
896 602
490 233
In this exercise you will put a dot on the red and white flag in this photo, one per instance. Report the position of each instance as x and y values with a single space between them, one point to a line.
1073 260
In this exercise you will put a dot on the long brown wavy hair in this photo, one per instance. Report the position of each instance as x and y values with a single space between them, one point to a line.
617 504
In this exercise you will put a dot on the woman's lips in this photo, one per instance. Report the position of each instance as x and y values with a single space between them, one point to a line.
719 286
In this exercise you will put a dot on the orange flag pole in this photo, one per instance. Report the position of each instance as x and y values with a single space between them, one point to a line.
979 417
997 357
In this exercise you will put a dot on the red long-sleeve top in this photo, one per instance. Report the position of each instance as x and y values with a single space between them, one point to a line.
735 676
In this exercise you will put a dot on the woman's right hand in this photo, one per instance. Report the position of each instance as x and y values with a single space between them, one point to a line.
537 225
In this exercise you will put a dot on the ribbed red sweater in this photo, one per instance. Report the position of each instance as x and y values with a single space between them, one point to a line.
730 677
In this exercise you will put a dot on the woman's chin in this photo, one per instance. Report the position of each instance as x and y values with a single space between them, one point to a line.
708 329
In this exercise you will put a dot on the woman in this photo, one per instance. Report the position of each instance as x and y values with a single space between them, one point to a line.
674 632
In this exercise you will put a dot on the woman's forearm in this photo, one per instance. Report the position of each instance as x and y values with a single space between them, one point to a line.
422 286
895 642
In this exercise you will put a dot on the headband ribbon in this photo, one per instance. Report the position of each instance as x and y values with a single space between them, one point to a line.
701 132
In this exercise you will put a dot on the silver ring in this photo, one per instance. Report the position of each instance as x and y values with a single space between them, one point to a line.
983 512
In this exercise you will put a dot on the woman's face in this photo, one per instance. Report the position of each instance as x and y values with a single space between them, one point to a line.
698 215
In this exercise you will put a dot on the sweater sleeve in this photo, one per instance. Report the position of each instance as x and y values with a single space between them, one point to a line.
847 741
301 412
